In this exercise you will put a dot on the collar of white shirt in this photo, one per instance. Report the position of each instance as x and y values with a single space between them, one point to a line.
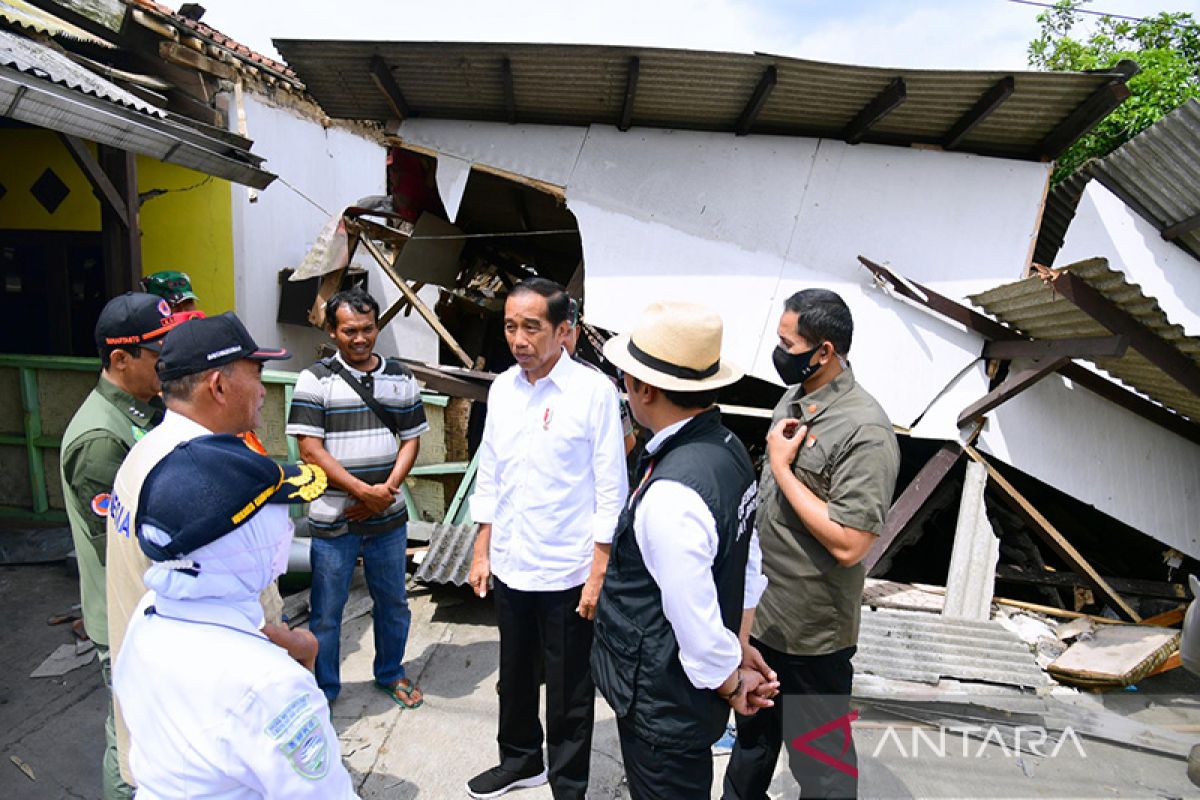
210 612
560 374
659 439
183 428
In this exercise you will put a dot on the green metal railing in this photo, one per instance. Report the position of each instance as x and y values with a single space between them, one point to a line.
35 442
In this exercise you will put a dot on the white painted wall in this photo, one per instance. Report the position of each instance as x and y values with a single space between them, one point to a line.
1105 226
333 167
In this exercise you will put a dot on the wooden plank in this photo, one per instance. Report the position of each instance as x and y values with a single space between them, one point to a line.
441 380
1081 347
1006 573
766 84
1085 116
120 236
92 170
1052 537
631 83
1174 661
1167 618
184 56
425 311
386 83
510 95
1012 386
910 501
884 103
1157 351
988 103
1174 231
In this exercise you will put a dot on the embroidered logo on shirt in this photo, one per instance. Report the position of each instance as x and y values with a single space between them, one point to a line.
100 504
307 750
286 718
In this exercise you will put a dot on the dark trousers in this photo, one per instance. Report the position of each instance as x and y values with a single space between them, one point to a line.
814 693
541 630
657 774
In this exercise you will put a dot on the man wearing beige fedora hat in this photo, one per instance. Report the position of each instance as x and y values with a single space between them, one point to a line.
667 655
833 461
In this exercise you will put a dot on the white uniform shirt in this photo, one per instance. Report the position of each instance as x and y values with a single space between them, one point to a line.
552 475
216 711
678 538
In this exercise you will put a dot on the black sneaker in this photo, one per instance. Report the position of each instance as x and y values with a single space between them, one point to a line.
498 780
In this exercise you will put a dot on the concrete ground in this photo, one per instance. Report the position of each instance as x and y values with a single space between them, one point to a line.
54 725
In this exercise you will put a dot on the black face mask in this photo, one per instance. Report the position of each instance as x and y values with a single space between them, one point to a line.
794 369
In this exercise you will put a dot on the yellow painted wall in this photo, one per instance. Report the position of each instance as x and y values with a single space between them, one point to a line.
190 231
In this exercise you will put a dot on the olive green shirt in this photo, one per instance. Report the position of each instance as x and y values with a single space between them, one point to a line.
849 459
93 447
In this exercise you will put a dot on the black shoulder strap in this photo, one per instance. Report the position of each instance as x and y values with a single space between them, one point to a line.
336 367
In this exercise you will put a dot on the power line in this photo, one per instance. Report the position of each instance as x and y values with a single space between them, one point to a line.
1053 7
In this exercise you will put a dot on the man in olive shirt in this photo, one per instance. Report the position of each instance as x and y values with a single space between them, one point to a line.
823 496
122 407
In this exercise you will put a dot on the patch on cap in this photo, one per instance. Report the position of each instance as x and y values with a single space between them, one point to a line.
164 308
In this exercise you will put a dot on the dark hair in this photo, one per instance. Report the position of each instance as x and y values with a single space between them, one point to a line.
822 315
558 302
686 400
358 300
107 351
183 387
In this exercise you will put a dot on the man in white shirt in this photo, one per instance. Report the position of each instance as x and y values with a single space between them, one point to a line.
215 709
210 369
550 485
685 569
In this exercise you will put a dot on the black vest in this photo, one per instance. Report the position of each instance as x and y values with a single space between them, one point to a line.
635 659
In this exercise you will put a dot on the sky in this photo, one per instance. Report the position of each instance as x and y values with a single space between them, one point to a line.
935 34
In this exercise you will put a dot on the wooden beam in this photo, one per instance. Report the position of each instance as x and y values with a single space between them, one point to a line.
912 499
988 103
973 320
1058 543
884 103
510 95
1085 116
1174 231
1012 386
472 385
1156 350
184 56
631 82
1069 580
385 81
766 84
1080 347
120 234
105 191
425 311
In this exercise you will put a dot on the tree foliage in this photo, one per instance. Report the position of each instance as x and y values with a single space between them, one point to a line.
1166 47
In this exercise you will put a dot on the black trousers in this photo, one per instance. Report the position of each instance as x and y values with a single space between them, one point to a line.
657 774
814 694
541 631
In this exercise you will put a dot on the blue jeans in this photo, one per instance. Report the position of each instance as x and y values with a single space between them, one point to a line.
383 565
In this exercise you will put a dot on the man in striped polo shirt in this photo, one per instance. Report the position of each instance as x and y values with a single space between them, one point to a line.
366 447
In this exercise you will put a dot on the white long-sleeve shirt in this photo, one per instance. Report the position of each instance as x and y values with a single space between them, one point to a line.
552 476
678 538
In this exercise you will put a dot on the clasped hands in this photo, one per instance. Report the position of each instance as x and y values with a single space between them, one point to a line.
759 683
373 498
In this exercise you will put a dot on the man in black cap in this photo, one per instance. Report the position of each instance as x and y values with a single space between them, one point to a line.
210 370
215 709
118 412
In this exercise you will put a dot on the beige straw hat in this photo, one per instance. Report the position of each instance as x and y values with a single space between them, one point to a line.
675 346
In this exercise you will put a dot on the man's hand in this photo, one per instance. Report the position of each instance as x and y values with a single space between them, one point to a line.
300 644
376 497
358 512
481 574
784 441
589 595
753 660
756 692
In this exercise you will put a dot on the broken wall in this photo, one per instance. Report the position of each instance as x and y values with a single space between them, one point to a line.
334 167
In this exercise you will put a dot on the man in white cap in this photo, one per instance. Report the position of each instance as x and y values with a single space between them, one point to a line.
684 568
214 708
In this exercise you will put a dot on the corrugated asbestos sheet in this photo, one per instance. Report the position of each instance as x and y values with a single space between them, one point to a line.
685 89
1037 310
923 647
1156 173
41 61
448 559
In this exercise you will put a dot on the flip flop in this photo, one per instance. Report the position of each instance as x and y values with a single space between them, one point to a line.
401 693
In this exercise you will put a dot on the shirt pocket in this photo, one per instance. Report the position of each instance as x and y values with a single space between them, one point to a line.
812 467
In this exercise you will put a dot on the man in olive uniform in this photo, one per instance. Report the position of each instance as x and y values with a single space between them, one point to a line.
831 473
122 407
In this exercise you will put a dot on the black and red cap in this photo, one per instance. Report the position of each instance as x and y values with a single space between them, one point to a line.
203 344
135 318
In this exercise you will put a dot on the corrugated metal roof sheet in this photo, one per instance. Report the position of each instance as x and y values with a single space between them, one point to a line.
583 84
1037 310
448 560
924 647
30 18
41 61
1156 173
